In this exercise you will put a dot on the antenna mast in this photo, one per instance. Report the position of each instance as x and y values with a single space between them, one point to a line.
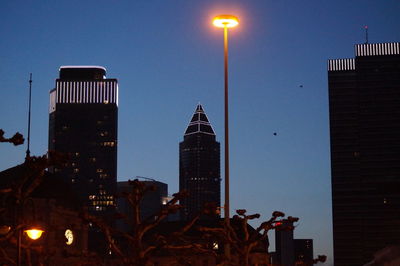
366 34
28 152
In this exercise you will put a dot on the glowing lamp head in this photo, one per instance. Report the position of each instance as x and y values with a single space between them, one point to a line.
34 233
225 21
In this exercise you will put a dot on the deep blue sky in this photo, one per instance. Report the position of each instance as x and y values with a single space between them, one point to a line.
168 57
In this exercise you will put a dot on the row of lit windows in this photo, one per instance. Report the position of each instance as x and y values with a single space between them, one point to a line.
203 179
104 203
107 144
109 197
91 180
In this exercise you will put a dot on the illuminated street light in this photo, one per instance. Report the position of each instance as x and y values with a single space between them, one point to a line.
225 22
34 233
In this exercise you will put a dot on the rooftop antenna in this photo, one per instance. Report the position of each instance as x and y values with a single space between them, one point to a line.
366 34
28 152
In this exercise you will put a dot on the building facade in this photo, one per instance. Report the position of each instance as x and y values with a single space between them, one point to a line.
150 205
83 124
199 165
284 245
364 107
303 251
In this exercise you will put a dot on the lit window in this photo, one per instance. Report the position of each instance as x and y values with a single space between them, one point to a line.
104 133
103 176
76 170
215 246
93 159
99 170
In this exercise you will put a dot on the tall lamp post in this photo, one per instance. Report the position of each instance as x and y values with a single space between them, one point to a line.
225 22
33 232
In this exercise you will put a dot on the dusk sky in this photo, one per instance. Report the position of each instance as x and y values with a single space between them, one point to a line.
167 57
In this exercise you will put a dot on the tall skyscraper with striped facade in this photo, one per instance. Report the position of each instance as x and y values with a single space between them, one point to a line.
364 104
83 124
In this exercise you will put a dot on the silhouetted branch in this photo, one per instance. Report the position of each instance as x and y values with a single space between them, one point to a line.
320 258
17 139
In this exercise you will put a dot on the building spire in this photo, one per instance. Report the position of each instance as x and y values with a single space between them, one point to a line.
366 34
28 152
199 123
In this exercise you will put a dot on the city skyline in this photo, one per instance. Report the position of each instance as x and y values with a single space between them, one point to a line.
278 64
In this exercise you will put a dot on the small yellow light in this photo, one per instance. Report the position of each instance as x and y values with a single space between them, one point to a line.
34 233
227 21
69 235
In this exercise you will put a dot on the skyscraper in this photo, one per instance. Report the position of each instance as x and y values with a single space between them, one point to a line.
83 124
284 244
199 165
303 251
364 106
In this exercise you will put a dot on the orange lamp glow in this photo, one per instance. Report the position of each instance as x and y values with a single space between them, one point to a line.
33 233
227 21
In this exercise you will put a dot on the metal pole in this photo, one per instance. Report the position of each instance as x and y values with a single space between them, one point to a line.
226 207
19 236
28 152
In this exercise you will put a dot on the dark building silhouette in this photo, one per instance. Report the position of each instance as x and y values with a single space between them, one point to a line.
150 205
199 165
284 245
304 251
83 124
364 106
290 251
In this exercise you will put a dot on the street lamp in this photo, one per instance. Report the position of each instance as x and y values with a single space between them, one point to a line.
32 229
34 233
225 22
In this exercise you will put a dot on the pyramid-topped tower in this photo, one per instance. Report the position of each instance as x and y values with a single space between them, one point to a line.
199 123
199 165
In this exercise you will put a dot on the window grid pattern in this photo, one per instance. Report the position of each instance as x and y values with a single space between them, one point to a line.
105 92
